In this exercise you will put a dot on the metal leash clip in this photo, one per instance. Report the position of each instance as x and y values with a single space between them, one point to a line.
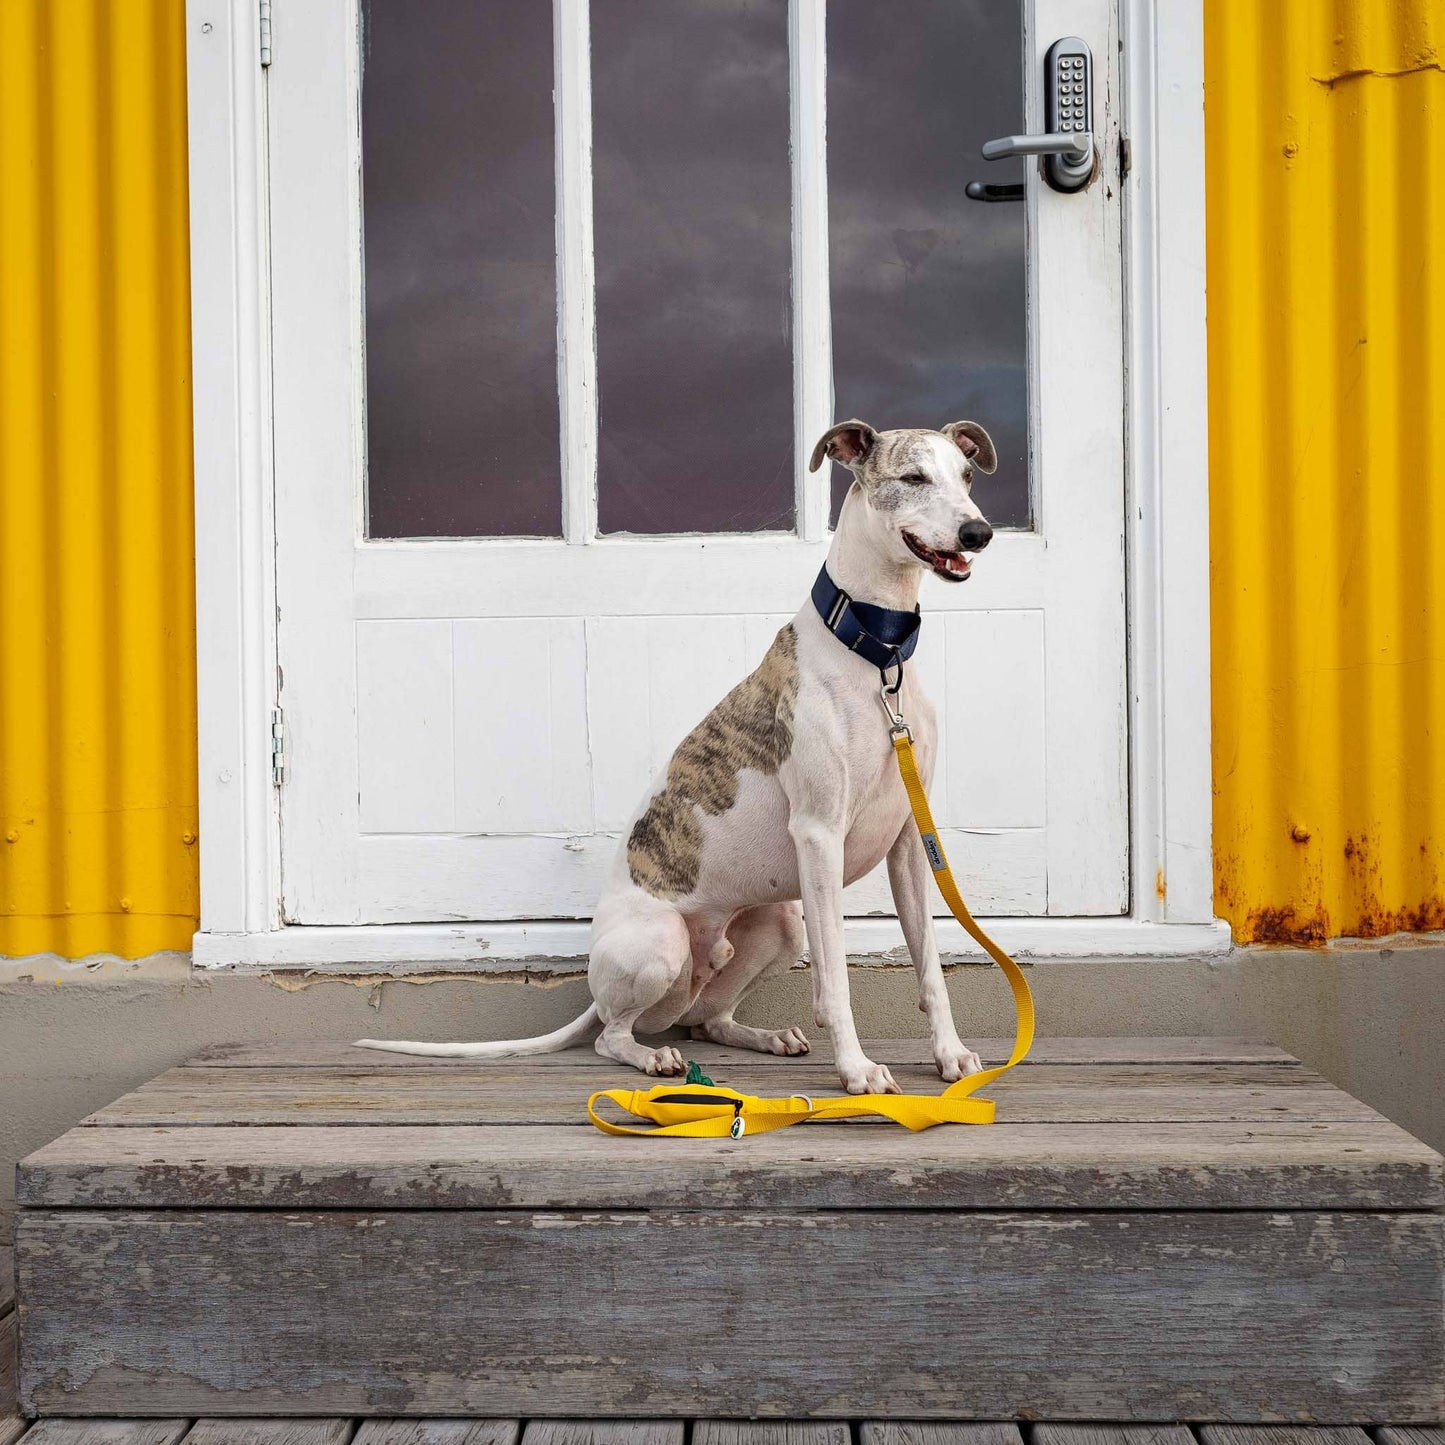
897 728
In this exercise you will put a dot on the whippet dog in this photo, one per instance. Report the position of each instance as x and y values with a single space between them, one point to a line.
788 791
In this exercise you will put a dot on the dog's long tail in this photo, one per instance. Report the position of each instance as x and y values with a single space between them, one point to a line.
583 1027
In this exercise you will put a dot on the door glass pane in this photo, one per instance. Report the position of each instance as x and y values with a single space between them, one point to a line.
461 295
691 197
927 285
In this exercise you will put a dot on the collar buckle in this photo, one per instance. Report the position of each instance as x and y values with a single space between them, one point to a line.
883 636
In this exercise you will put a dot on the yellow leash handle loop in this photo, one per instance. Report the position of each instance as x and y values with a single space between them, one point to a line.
691 1111
709 1111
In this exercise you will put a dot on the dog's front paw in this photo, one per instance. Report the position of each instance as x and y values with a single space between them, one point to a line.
788 1041
956 1061
666 1060
866 1077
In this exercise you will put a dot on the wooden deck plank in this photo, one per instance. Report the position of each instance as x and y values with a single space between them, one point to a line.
771 1432
1410 1435
1039 1166
9 1344
1198 1314
513 1094
1047 1433
1122 1050
9 1363
603 1432
12 1427
438 1432
212 1431
1283 1435
922 1432
60 1430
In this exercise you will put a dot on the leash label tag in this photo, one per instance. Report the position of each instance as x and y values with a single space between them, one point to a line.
935 853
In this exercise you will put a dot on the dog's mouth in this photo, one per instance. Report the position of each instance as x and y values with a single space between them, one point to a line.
951 566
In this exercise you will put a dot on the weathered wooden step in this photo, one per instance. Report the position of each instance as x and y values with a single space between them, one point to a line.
9 1354
516 1093
482 1312
1206 1233
1370 1165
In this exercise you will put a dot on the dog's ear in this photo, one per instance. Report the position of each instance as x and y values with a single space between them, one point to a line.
848 442
973 442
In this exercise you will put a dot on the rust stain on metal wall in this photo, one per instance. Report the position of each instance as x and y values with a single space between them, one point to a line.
97 619
1325 129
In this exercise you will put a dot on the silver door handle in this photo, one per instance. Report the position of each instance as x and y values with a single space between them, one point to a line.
1068 144
1077 149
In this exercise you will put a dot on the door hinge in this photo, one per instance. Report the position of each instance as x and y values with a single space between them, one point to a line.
265 32
278 747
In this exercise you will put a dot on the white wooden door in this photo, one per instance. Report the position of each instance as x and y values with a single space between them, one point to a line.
544 394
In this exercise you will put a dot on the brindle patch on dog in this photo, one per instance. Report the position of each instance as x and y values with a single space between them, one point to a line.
752 727
897 453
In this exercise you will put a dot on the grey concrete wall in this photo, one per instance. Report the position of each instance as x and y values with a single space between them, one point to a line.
74 1038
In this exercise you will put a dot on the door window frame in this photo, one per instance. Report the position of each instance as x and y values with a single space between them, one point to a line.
1166 487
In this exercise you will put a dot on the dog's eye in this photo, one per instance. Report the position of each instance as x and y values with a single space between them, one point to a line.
915 479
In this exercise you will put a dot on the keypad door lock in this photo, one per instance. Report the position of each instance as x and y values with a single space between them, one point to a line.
1067 144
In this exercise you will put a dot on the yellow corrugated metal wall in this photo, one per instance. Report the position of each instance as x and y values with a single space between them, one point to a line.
1326 141
97 617
1325 128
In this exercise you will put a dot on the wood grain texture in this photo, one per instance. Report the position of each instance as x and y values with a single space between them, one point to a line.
437 1432
603 1432
1106 1166
7 1277
923 1432
1121 1050
12 1427
771 1432
60 1430
9 1363
1282 1435
520 1094
269 1432
1047 1433
1155 1316
1410 1435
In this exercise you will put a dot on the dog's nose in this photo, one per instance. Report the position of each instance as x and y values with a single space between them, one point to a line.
975 535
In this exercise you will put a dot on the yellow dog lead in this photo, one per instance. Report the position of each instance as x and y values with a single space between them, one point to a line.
705 1111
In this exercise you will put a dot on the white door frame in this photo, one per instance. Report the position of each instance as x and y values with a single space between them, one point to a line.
1166 444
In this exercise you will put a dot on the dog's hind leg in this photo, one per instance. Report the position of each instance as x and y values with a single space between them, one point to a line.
765 941
640 975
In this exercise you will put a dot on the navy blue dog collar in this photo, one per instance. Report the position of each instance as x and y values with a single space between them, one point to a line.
882 635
